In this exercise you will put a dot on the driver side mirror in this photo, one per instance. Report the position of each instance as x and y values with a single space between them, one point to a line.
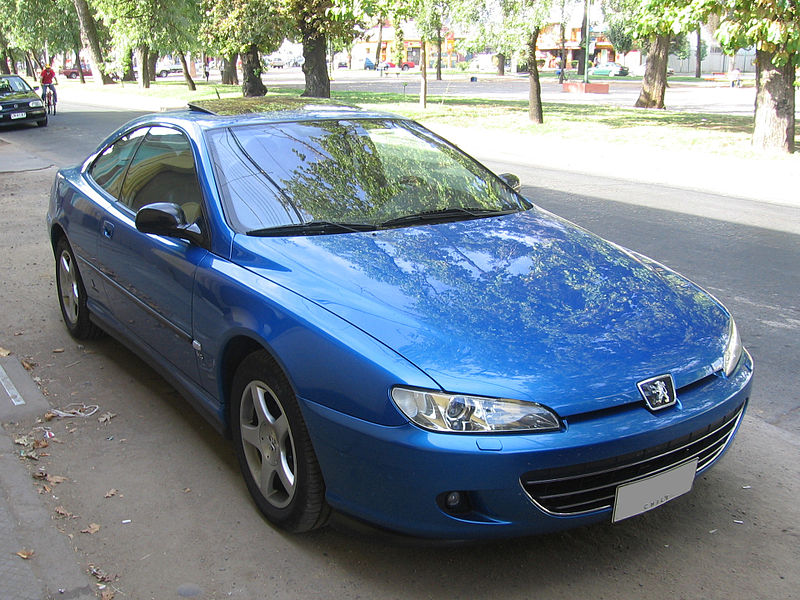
168 219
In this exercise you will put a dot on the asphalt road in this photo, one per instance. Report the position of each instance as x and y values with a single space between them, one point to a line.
180 522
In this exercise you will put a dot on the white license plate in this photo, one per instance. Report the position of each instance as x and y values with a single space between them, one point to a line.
651 492
18 115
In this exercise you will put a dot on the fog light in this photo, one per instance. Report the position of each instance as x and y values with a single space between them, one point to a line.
453 500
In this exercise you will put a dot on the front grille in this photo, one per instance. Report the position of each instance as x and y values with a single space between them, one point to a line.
592 486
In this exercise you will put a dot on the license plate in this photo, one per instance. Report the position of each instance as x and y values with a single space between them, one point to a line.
18 115
651 492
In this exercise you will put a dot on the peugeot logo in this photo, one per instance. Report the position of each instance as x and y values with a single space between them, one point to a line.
658 392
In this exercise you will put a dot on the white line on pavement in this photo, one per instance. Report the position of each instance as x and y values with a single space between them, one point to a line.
12 392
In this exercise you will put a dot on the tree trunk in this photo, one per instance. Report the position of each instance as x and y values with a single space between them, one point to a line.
144 66
186 76
438 55
77 52
775 104
380 40
252 86
4 55
89 33
698 66
501 63
563 56
423 71
228 74
127 68
534 87
654 83
583 52
152 59
318 84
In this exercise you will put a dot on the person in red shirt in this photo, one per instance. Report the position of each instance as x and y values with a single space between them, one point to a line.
49 80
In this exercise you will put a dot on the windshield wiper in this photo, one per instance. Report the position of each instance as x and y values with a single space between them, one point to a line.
446 214
311 228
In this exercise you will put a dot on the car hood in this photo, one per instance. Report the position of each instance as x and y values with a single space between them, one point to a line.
525 306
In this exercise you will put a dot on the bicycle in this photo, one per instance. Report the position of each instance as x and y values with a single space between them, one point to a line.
50 102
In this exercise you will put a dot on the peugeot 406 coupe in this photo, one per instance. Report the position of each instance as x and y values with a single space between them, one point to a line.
387 329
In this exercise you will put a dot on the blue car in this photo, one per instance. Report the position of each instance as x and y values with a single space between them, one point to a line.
386 329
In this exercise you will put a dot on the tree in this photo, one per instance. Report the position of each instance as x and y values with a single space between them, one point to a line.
245 27
316 22
774 29
430 20
89 33
506 26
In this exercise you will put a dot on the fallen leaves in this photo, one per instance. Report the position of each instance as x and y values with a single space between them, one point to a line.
91 529
64 513
26 554
111 492
4 352
106 417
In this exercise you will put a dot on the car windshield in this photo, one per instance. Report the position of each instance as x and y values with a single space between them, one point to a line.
13 85
291 178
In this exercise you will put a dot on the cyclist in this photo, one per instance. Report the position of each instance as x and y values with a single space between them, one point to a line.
48 78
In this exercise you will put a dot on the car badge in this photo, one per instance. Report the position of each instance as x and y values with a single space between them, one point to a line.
658 392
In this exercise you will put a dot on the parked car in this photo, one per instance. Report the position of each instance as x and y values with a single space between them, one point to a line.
19 102
165 69
611 69
384 65
369 65
72 72
276 62
386 328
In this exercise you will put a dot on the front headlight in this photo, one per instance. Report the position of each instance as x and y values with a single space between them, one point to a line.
35 103
440 411
733 351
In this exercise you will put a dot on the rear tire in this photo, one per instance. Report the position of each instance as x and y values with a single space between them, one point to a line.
72 295
274 449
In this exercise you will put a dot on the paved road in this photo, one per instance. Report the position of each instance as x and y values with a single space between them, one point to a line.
193 531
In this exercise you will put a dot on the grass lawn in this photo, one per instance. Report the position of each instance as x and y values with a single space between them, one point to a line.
580 123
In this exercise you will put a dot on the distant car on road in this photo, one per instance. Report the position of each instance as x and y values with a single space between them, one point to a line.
19 102
164 70
405 66
72 72
611 69
276 62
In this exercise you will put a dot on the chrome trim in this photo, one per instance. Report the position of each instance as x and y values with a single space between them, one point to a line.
723 442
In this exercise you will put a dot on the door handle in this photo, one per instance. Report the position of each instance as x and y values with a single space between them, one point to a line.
108 229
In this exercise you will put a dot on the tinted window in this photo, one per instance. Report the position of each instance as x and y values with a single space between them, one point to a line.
163 170
9 85
355 171
108 169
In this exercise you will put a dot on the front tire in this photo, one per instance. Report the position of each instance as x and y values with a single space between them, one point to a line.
274 449
72 295
42 122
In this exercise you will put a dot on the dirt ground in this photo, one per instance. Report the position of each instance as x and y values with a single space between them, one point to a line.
152 496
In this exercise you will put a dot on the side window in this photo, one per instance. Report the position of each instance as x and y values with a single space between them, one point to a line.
163 171
108 169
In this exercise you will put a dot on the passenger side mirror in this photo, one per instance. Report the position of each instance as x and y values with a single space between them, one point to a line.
167 219
511 181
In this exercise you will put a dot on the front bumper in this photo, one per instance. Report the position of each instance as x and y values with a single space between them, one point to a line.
397 477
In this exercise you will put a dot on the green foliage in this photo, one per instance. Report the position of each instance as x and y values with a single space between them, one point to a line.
771 25
230 26
620 33
504 26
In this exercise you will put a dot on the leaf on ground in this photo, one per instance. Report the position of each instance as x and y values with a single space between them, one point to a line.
4 352
28 364
91 529
63 512
56 478
57 350
99 574
111 492
22 440
49 415
106 417
40 443
25 554
39 475
107 595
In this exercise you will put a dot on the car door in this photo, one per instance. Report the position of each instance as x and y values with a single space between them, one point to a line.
149 278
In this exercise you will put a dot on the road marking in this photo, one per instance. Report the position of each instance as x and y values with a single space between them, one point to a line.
12 392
